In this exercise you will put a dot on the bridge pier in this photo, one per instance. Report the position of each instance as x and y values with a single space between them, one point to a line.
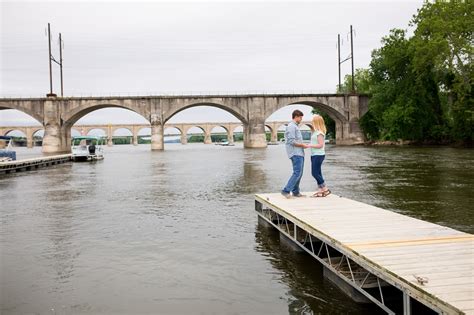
351 131
56 137
207 138
274 135
254 128
29 138
134 135
230 136
254 135
157 138
184 138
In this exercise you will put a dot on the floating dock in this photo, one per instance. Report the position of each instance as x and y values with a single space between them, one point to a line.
402 264
33 163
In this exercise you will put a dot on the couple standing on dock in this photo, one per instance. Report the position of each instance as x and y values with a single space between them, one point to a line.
295 150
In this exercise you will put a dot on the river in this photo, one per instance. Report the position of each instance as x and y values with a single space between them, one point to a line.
175 232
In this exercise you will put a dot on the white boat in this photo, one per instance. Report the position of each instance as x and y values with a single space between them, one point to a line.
225 143
87 148
6 150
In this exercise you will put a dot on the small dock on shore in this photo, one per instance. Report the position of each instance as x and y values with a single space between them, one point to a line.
33 163
402 264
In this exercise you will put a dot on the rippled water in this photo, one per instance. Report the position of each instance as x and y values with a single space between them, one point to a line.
175 232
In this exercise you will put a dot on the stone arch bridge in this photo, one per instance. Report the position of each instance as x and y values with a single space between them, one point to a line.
58 115
134 129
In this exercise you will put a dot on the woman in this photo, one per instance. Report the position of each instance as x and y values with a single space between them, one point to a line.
318 154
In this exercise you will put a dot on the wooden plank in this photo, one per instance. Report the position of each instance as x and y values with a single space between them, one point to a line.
422 270
419 247
414 251
458 296
410 251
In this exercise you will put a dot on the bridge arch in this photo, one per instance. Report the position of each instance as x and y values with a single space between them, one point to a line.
187 135
269 126
19 133
33 109
23 131
88 130
212 126
174 132
333 112
213 132
114 129
175 109
71 115
36 134
333 107
121 135
36 130
144 131
196 126
168 127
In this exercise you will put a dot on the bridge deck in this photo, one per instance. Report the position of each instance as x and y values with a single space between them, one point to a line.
398 249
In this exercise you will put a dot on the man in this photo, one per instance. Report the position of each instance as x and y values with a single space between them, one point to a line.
295 150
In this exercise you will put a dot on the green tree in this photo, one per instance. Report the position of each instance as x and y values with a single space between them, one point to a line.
362 84
444 39
404 99
328 121
421 86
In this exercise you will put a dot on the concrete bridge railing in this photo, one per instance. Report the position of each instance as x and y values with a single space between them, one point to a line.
58 115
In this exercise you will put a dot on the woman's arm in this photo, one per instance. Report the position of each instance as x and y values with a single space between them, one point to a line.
320 143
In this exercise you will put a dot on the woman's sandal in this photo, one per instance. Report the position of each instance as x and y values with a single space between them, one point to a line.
326 193
318 194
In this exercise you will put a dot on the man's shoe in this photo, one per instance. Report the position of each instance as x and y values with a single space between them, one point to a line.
299 195
286 195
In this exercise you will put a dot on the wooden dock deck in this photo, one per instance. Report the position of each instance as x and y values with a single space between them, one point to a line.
33 163
390 259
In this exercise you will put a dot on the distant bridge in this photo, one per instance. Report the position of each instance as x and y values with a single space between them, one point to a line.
183 128
58 114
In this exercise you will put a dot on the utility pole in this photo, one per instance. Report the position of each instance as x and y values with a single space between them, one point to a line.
61 62
50 65
339 60
351 56
352 61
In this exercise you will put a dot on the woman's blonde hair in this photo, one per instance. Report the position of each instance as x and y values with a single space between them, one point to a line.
318 124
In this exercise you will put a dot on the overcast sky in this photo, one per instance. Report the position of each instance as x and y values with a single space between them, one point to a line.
182 47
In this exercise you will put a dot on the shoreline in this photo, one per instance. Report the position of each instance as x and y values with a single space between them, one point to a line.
413 143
